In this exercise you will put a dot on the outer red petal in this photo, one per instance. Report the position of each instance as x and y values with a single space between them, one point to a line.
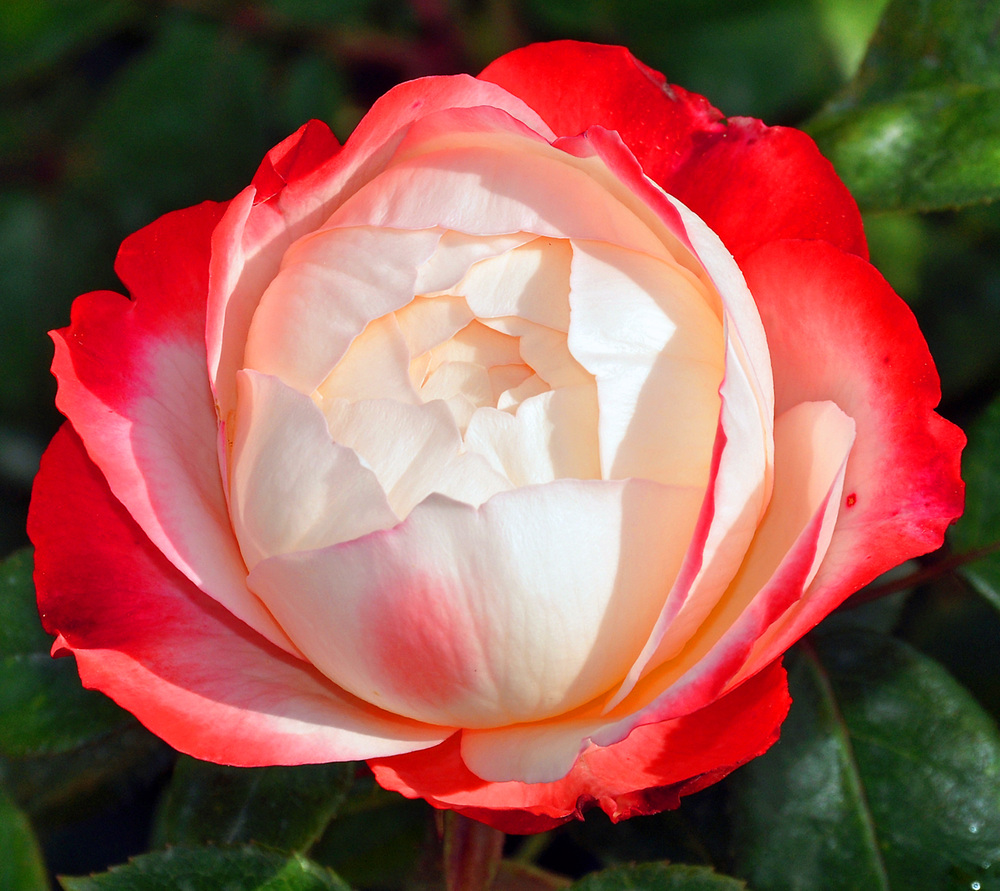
837 331
190 671
748 182
645 773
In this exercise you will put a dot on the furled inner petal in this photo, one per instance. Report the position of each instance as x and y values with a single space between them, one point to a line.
331 285
643 327
551 436
423 454
519 610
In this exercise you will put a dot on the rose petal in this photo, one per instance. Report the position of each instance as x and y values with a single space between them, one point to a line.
331 285
493 615
643 329
292 487
483 190
812 443
256 239
859 345
643 774
425 453
143 634
551 436
132 381
751 184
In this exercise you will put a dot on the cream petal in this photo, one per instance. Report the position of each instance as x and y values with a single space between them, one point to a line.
742 473
331 285
551 436
488 616
457 252
464 383
545 350
531 282
812 443
643 328
427 321
531 386
478 345
739 489
423 454
376 366
507 377
292 487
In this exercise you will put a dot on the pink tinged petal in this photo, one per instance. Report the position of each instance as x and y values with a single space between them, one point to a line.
132 380
145 635
575 85
750 183
813 441
859 345
645 773
739 491
551 436
643 328
424 453
484 191
292 487
260 223
488 616
332 284
376 366
530 283
812 444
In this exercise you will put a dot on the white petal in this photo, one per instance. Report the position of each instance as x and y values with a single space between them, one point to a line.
812 444
413 450
523 609
643 328
551 436
456 253
331 285
292 487
376 366
427 321
531 282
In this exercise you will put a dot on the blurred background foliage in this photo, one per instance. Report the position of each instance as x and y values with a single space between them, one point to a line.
113 112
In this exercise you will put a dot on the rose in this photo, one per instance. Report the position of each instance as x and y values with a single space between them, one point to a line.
507 447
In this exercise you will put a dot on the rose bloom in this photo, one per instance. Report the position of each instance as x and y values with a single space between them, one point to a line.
506 447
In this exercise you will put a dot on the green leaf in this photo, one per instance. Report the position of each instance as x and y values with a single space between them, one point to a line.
45 709
979 527
62 748
21 864
377 837
282 807
212 869
658 877
919 126
887 776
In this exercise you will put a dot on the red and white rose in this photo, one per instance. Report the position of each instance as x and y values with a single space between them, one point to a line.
507 447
